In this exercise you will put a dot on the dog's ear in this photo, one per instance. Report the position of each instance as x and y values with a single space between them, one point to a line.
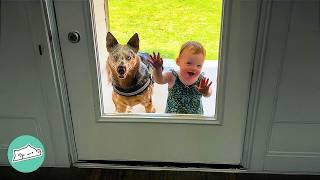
134 42
111 41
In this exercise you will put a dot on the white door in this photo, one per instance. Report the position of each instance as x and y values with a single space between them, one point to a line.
29 100
157 137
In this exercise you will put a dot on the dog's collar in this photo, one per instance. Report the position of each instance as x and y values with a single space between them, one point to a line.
135 90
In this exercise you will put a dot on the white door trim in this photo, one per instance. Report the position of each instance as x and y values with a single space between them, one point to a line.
55 50
259 56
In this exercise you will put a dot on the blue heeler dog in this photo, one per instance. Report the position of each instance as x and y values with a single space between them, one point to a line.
129 73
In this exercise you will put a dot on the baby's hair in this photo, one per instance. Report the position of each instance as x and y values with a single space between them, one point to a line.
194 46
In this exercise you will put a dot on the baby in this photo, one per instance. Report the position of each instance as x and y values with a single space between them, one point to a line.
187 85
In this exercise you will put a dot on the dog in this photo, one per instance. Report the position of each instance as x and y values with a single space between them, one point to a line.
130 74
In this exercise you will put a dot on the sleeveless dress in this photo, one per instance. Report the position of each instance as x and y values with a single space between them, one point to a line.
184 99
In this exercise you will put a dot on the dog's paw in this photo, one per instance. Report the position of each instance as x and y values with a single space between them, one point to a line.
151 110
129 109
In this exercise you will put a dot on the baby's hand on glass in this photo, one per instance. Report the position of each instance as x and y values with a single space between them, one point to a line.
204 86
156 61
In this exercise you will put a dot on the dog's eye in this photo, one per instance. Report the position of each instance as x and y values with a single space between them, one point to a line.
115 57
128 57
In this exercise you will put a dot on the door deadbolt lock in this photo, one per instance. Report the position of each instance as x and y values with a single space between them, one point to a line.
74 37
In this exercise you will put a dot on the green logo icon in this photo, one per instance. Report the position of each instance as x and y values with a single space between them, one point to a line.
26 153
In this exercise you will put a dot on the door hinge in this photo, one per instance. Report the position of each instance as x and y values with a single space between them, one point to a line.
40 49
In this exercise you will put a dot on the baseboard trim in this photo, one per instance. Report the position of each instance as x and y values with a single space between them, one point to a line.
159 166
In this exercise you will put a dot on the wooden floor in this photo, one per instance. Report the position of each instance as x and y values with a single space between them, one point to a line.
8 173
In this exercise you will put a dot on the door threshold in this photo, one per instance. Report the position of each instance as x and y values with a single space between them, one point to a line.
160 166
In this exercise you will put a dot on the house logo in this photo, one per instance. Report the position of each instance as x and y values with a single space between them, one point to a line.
26 153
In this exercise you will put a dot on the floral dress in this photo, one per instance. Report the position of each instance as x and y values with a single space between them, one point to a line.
184 99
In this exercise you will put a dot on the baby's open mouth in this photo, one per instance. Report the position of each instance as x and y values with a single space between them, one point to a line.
191 73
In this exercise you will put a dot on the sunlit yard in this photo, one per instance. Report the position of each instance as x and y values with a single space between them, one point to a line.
164 25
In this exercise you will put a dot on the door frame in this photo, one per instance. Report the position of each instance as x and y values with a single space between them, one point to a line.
255 91
58 70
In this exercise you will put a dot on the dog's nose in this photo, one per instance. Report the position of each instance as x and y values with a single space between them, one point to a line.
121 70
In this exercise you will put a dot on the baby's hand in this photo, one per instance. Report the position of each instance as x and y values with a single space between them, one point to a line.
156 61
204 86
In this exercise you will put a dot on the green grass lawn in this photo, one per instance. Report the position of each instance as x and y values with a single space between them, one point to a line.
164 25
